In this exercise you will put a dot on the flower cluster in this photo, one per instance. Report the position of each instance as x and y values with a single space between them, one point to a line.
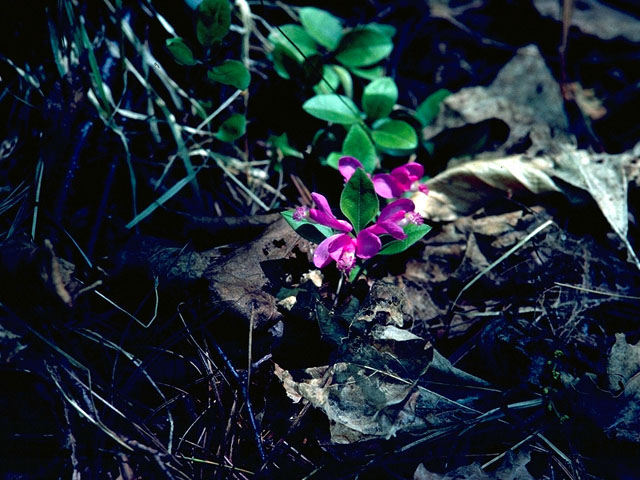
343 248
347 244
389 185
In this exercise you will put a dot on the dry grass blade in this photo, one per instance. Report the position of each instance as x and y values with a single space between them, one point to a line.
508 253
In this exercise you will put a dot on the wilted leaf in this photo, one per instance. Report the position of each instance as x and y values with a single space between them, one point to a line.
514 467
524 95
463 189
365 395
595 18
623 366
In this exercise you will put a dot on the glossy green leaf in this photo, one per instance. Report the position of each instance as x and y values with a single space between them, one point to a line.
310 231
213 21
181 51
230 72
345 80
359 202
379 97
358 144
322 26
283 62
362 47
332 108
330 81
387 30
368 73
334 77
428 110
414 233
232 129
395 135
291 36
333 158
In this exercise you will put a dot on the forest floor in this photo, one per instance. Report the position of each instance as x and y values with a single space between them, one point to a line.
159 318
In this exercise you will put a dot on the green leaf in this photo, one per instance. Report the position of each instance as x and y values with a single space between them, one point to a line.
322 26
180 51
363 47
414 233
345 80
368 73
428 110
395 136
232 129
334 76
379 97
291 36
312 69
358 144
333 158
282 143
310 231
230 72
359 202
332 108
329 82
283 62
387 30
214 20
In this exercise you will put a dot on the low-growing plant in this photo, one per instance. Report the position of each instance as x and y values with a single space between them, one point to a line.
370 229
324 53
212 24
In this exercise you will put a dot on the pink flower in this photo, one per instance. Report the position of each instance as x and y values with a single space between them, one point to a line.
395 216
343 249
405 178
322 215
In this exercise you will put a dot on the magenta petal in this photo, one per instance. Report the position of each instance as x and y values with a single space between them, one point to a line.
321 256
322 203
396 210
324 216
329 220
402 177
393 229
385 186
342 243
347 166
367 244
415 170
